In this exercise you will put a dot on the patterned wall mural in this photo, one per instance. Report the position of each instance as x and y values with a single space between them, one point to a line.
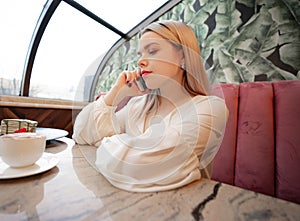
240 40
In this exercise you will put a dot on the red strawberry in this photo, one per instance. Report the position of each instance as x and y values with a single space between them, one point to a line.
21 130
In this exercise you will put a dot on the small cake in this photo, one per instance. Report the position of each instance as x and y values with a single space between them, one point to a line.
9 126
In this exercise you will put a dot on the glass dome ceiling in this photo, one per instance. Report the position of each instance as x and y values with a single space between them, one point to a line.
65 49
48 59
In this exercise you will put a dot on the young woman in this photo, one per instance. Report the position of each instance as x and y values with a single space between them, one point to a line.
163 136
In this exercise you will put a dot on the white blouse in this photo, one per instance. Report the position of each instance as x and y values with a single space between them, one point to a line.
166 155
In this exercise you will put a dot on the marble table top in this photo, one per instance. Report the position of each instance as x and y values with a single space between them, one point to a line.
74 190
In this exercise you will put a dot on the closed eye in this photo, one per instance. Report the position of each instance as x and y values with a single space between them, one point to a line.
152 51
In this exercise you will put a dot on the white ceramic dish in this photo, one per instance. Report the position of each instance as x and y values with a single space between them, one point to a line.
46 162
51 133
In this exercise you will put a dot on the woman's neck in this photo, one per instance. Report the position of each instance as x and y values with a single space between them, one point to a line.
174 93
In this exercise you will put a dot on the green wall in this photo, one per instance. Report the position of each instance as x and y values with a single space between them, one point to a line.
240 40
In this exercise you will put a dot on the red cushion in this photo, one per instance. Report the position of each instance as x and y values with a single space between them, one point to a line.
287 116
255 139
223 166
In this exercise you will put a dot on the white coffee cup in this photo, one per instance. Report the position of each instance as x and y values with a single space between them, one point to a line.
22 149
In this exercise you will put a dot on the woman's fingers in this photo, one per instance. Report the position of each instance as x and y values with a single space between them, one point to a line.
128 79
124 78
131 76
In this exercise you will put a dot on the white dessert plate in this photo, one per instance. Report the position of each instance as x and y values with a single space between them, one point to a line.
51 133
46 162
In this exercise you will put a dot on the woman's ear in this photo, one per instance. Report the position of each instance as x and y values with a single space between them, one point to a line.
182 60
182 56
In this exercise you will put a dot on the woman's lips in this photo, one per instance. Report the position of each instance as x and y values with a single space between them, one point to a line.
144 72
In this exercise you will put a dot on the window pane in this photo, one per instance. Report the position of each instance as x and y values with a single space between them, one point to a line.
124 15
70 44
17 22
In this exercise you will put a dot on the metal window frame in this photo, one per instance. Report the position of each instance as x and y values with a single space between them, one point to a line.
44 18
151 18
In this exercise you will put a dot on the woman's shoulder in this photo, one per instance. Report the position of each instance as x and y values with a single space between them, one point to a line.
211 101
209 98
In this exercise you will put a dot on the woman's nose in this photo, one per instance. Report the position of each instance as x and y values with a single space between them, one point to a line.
142 62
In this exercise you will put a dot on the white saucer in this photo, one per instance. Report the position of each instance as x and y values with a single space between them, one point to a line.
51 133
46 162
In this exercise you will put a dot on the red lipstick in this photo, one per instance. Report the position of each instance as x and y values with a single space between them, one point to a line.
144 72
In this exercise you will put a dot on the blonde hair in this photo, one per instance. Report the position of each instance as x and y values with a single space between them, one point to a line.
195 80
179 34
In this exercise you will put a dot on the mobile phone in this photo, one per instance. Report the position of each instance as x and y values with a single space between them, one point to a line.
140 83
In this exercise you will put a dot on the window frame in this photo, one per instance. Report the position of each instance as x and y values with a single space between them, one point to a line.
44 18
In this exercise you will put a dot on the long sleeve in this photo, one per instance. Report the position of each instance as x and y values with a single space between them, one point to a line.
165 155
94 122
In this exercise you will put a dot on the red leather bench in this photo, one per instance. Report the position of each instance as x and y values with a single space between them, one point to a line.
260 150
261 146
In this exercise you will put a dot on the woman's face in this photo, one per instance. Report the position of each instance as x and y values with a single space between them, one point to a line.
159 60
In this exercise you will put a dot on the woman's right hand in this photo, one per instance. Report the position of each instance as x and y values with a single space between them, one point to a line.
124 86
